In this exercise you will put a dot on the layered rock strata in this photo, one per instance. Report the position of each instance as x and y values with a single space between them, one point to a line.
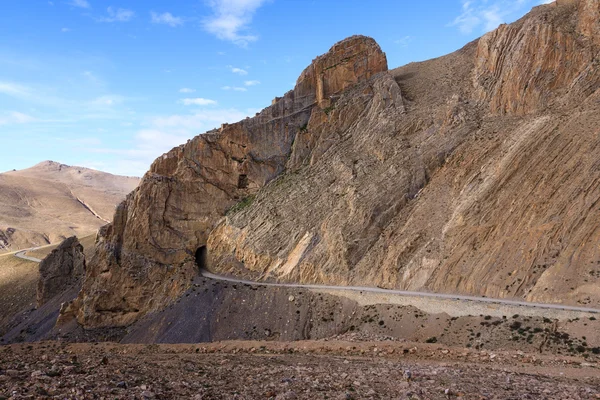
147 255
473 173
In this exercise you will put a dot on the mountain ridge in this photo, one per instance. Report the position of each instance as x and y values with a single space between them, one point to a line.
51 201
460 174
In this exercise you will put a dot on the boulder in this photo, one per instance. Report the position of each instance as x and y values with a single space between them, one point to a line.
62 269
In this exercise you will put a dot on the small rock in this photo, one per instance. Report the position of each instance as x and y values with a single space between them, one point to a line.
291 298
291 395
122 385
148 395
37 374
12 373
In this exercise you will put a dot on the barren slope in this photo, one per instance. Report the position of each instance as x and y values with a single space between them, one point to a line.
474 173
51 201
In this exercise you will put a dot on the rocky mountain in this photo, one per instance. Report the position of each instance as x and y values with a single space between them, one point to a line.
473 173
51 201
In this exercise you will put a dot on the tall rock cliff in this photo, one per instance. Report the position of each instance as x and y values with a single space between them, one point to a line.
146 257
475 173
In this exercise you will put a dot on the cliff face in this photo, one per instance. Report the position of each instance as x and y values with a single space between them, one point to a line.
472 173
60 270
484 183
146 257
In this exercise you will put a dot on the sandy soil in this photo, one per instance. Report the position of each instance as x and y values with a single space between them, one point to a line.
298 370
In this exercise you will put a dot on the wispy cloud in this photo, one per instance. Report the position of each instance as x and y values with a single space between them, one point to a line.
238 71
488 14
235 88
15 90
117 15
404 41
80 3
200 120
15 117
107 100
161 133
166 18
186 90
252 83
92 78
231 19
198 101
65 30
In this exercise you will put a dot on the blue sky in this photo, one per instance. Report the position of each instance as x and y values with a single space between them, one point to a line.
113 84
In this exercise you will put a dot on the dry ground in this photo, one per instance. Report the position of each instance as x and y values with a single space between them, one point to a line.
18 280
297 370
50 202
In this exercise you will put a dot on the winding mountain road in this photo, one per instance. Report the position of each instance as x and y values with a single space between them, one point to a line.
209 275
443 296
21 254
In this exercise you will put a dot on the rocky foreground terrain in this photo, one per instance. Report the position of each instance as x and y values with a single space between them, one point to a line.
50 202
300 370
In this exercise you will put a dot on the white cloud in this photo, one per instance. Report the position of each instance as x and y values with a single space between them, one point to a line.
15 90
238 71
486 15
252 83
201 120
80 3
161 134
404 41
166 18
117 15
198 101
14 117
186 90
235 88
92 78
107 100
65 30
231 19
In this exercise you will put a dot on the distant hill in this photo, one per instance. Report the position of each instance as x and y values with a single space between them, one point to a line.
51 201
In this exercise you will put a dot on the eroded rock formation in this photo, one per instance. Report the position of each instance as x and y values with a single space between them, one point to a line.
63 268
147 254
475 173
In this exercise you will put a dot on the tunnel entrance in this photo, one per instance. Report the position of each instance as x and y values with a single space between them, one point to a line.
201 257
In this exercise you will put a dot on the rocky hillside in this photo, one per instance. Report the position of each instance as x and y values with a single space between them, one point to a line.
473 173
51 201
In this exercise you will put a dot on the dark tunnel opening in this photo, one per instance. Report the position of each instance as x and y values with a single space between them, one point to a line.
201 258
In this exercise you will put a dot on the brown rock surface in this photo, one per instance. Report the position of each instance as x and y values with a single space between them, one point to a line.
474 173
147 255
63 268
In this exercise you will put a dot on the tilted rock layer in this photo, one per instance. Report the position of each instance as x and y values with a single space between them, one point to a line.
474 173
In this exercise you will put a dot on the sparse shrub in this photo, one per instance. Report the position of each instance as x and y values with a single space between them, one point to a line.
246 202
